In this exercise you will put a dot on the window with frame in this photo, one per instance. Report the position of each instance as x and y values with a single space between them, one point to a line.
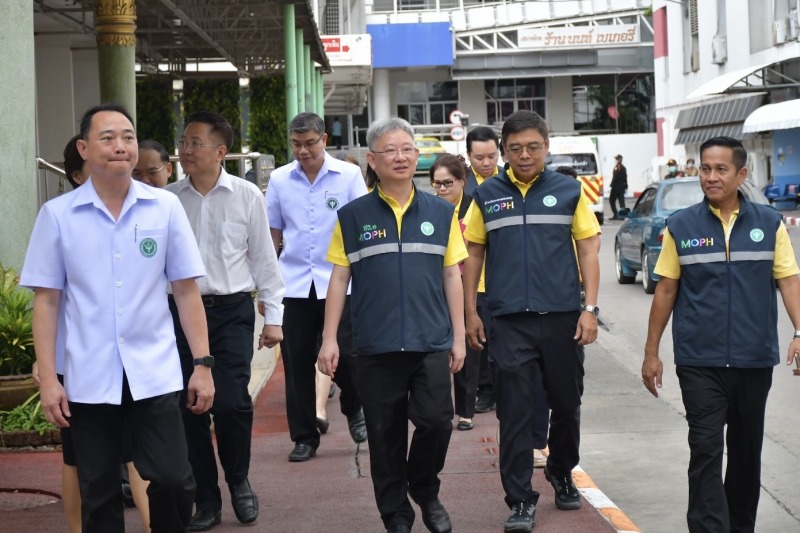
506 96
427 102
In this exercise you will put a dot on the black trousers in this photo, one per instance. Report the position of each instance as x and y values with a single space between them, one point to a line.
616 195
485 372
714 397
397 387
522 344
465 384
303 321
230 334
159 453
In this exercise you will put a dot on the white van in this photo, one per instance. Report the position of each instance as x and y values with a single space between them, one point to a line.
580 153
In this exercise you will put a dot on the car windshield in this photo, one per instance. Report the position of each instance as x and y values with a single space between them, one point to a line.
582 163
428 144
680 195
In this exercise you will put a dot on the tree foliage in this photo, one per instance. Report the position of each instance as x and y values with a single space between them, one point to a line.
268 127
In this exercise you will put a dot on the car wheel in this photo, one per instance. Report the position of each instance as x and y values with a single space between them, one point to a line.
648 282
622 278
600 218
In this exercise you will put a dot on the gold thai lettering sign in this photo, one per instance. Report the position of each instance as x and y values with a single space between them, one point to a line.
578 37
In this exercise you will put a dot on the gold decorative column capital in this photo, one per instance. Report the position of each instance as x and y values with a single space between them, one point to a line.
115 22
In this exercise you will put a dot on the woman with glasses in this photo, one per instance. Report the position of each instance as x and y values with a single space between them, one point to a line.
153 167
448 178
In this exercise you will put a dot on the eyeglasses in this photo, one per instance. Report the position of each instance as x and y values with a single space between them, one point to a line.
308 145
439 184
391 153
194 145
517 149
152 173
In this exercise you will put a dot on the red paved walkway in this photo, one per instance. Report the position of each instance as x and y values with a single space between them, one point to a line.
332 492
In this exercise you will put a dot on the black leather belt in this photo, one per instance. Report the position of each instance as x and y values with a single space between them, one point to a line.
216 300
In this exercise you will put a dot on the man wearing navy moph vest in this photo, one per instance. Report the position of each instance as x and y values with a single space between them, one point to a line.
401 246
720 262
525 221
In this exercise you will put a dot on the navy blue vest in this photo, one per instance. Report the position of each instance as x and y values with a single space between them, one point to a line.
398 301
530 257
725 312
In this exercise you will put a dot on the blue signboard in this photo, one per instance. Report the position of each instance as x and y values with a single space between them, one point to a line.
428 44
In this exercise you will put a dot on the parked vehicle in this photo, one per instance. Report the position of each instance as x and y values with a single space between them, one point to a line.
638 241
580 153
429 149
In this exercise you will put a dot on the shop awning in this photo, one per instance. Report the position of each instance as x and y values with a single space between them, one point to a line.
723 116
781 116
722 83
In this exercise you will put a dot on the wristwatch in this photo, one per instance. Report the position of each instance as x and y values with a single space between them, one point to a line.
796 334
207 360
591 308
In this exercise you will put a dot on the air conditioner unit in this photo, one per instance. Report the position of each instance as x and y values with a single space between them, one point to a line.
779 31
719 49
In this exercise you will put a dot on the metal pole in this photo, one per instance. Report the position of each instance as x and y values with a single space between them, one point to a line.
291 64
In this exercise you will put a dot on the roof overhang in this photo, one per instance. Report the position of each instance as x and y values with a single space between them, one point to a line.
722 83
724 116
781 116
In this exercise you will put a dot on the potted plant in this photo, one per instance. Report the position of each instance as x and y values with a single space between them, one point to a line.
16 341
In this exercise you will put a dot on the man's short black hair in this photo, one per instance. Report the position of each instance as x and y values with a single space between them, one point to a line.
739 153
86 120
149 144
219 125
522 120
567 171
73 162
481 134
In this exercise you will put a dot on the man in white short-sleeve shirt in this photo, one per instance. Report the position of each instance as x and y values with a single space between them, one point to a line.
110 249
302 199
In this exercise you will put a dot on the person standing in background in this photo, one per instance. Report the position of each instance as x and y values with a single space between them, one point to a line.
691 169
336 133
619 184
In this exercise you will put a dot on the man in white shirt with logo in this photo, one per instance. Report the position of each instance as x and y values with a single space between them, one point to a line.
229 221
302 200
110 249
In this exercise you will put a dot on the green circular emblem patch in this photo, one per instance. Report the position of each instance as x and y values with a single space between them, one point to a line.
427 228
148 247
549 200
332 203
756 235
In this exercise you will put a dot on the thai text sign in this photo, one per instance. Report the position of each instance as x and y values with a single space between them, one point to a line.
578 36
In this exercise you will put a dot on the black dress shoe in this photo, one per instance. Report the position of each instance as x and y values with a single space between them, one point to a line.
204 520
357 426
244 502
302 452
322 424
435 516
485 404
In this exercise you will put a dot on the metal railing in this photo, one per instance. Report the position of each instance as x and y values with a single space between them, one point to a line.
51 181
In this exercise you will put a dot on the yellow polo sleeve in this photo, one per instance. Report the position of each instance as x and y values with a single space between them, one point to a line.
456 251
476 229
785 264
336 253
668 264
584 222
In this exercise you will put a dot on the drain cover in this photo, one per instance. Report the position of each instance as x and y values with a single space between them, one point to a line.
18 499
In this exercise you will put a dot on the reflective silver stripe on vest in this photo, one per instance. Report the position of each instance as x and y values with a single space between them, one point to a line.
696 259
548 219
387 248
422 248
503 222
753 256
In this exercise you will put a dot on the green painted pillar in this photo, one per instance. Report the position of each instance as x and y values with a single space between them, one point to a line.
18 179
291 61
301 65
313 88
115 24
308 71
320 94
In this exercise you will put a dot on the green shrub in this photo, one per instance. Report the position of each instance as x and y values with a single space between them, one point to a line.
16 325
27 416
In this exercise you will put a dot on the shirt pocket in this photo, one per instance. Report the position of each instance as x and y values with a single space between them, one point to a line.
334 199
150 242
232 238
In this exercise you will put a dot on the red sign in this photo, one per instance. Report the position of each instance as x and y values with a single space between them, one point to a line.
333 45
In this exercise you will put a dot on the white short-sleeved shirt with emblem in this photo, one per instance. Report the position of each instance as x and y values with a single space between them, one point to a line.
113 275
306 214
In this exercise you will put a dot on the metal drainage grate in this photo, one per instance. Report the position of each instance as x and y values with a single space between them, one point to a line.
18 499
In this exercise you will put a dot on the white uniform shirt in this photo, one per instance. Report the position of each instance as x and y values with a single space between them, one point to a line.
113 276
306 214
230 225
